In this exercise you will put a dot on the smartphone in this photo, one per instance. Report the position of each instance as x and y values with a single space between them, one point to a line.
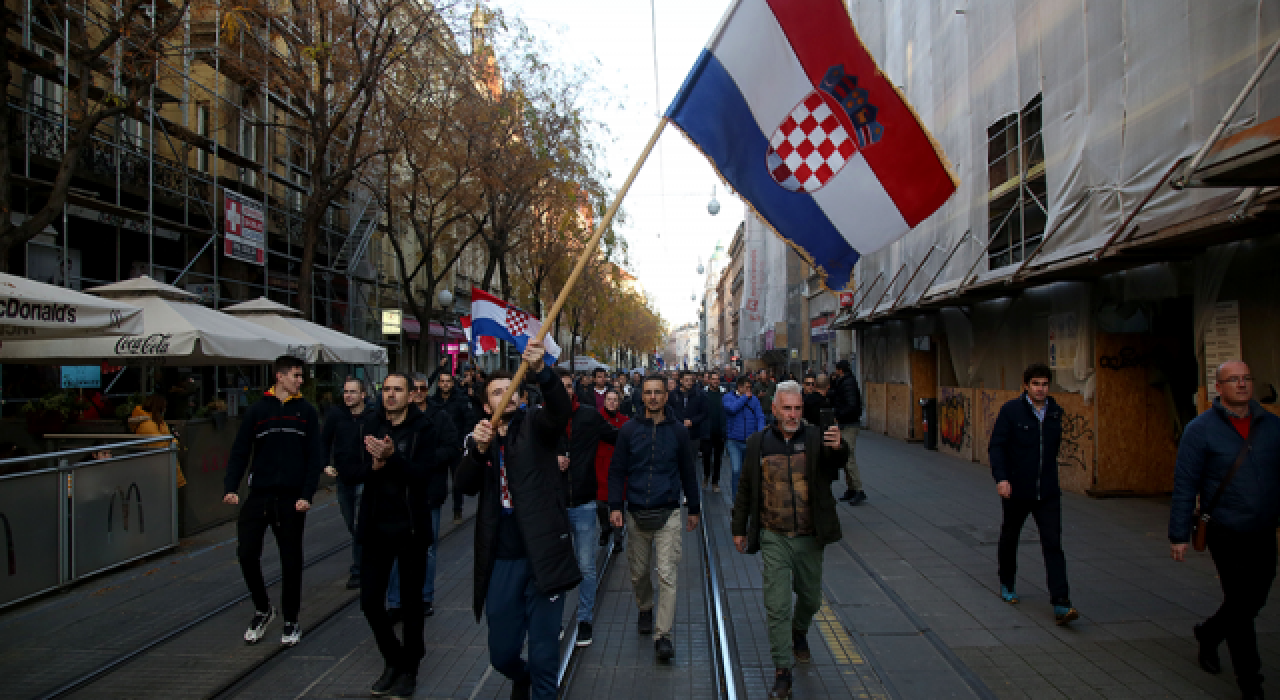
828 417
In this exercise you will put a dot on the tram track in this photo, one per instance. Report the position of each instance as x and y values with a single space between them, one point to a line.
242 677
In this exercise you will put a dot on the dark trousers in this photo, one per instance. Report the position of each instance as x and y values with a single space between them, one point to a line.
1246 565
349 504
1048 515
514 608
712 453
457 495
380 552
259 512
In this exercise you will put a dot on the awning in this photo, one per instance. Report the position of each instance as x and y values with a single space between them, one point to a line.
176 331
452 333
35 310
326 345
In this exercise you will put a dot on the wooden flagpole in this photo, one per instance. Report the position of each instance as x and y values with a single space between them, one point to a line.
587 252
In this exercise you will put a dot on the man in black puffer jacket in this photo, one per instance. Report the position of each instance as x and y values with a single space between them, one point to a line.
403 453
587 428
524 559
1024 463
846 399
458 406
282 433
343 442
652 465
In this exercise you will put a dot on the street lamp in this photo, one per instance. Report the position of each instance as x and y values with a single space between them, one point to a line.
446 298
713 207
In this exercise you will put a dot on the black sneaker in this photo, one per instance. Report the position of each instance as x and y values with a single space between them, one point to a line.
800 647
353 582
521 689
403 688
1208 656
584 634
645 623
781 684
383 685
258 626
664 648
395 615
848 495
428 609
457 517
858 497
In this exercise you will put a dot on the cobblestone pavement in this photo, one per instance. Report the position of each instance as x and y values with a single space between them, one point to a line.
928 532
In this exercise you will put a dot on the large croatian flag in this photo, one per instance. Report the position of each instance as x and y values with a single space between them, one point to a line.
796 116
495 318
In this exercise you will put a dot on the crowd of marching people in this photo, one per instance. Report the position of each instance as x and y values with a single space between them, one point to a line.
572 463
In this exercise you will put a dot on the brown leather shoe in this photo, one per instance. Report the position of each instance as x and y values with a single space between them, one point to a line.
800 647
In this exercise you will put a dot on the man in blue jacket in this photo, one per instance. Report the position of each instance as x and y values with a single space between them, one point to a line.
1024 463
1241 524
652 465
745 418
282 433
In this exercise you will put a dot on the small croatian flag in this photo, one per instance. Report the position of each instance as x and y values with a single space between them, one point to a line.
493 317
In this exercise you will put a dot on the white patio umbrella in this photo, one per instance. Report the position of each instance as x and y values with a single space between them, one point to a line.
31 309
176 331
328 345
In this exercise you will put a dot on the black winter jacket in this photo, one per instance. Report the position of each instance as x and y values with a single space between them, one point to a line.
1024 451
460 411
690 406
1209 447
654 464
587 429
533 479
397 496
447 452
814 402
284 441
342 437
846 399
716 422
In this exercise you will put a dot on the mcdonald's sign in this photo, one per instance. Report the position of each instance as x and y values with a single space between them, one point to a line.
133 494
8 540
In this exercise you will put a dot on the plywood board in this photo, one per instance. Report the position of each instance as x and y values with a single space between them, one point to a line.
924 385
899 410
1077 452
955 421
987 403
1136 450
877 417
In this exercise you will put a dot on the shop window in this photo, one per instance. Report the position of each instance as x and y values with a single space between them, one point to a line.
1018 205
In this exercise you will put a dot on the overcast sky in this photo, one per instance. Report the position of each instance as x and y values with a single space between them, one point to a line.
668 227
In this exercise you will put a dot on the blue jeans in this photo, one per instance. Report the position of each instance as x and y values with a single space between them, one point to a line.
736 449
349 505
514 608
583 520
429 585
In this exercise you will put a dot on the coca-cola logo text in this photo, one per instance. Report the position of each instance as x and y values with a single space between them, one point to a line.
154 344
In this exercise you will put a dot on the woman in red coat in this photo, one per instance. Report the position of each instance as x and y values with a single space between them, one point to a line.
604 455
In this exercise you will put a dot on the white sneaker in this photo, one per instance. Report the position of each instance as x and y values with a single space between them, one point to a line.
292 634
258 626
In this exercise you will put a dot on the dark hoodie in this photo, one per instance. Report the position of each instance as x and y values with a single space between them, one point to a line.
283 439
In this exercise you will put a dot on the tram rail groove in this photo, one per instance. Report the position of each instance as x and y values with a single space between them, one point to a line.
115 664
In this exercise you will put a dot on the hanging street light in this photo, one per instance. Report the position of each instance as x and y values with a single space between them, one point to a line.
713 207
445 297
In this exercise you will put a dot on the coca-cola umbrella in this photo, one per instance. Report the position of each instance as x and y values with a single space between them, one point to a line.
176 331
330 346
31 309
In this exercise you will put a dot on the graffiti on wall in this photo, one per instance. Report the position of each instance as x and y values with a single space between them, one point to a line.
1077 441
955 420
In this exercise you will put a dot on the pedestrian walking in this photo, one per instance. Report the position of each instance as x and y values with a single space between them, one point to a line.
846 399
1229 459
524 558
690 406
713 430
652 465
815 398
281 431
1024 463
402 457
604 456
342 440
785 510
763 389
586 431
593 394
458 407
745 417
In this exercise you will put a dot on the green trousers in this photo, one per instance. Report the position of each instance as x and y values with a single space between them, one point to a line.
790 564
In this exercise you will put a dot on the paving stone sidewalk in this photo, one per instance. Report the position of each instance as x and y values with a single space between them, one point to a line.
928 532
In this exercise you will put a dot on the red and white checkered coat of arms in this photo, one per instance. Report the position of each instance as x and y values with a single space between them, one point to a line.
517 321
822 133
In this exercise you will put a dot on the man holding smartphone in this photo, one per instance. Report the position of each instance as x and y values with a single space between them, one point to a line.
785 510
